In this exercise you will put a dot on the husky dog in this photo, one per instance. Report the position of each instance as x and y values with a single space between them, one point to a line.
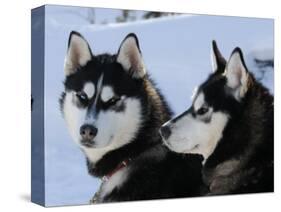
230 123
113 112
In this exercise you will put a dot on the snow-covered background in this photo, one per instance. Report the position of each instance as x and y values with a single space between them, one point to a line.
176 50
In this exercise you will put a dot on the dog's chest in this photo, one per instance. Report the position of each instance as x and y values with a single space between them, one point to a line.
114 182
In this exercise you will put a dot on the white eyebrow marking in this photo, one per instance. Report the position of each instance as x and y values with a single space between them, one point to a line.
89 89
199 101
107 93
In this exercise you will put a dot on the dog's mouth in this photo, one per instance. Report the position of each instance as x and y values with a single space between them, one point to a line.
173 147
193 149
167 143
88 143
94 143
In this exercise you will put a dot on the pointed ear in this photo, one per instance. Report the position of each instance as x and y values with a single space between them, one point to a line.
237 74
218 61
129 56
78 53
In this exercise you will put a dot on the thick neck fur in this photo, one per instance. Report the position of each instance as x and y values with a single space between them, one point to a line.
246 147
155 113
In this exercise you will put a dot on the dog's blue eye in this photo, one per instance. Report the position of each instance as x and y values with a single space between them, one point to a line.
82 96
202 110
113 100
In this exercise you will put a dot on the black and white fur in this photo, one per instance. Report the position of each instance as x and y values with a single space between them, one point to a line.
113 112
230 123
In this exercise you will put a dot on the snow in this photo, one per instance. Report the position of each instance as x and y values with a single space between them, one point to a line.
176 51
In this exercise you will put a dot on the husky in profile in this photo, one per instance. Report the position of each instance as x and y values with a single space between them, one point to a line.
230 123
113 112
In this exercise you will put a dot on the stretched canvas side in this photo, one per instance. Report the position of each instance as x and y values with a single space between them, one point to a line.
37 114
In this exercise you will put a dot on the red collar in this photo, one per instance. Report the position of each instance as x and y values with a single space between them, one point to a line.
120 166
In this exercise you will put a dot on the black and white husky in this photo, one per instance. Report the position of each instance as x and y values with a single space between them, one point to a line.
230 123
113 111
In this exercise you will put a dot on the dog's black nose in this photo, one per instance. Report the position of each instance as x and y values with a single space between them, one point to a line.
165 131
88 132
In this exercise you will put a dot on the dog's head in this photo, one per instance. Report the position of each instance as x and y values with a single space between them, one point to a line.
199 129
101 103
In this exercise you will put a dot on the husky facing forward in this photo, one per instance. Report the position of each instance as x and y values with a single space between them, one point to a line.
113 112
231 124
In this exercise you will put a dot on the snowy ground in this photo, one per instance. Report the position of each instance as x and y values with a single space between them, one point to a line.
176 51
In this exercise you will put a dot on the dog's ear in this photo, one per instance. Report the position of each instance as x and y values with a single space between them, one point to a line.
236 74
78 53
218 61
129 56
